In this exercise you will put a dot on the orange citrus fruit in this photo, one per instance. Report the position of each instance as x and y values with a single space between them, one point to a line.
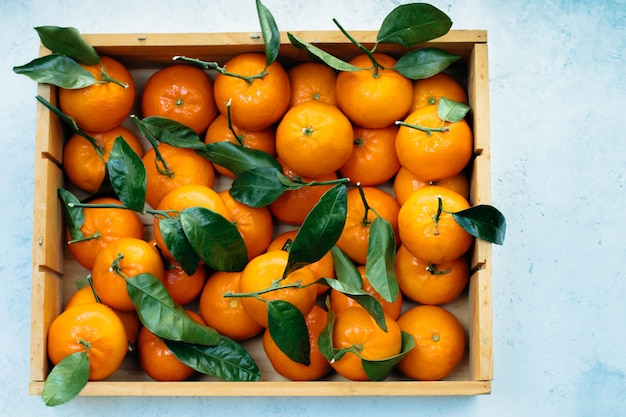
183 197
314 138
104 105
157 360
257 104
102 226
185 166
372 97
312 81
405 183
255 224
226 314
324 268
262 140
431 284
130 319
318 366
84 166
266 269
373 160
431 238
354 239
340 301
355 328
440 343
434 155
293 206
428 91
128 257
182 93
183 288
91 327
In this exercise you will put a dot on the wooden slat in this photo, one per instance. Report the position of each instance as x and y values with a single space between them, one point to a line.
481 334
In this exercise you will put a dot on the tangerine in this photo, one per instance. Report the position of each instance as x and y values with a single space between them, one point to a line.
428 91
405 183
312 81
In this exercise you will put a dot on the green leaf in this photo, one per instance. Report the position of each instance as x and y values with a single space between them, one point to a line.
68 41
451 111
325 57
380 263
178 245
424 62
379 370
484 222
411 24
58 70
226 360
238 159
162 316
364 298
258 187
171 132
345 269
325 339
216 240
127 174
270 32
288 329
67 379
320 230
74 216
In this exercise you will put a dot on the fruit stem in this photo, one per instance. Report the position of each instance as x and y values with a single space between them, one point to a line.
266 290
432 268
427 130
222 70
366 221
329 182
96 235
437 216
160 163
93 290
85 344
106 78
366 51
238 138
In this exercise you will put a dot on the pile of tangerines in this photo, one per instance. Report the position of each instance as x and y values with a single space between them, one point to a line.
374 131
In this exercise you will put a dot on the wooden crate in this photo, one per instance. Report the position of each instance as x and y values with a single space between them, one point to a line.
55 272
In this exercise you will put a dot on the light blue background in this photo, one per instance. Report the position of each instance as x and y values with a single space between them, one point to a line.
558 99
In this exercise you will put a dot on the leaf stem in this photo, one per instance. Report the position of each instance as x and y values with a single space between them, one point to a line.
238 138
106 78
437 216
428 130
96 234
366 221
222 70
370 54
257 293
160 162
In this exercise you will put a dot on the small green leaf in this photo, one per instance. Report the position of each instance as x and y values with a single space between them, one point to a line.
127 174
451 111
171 132
67 379
379 370
484 222
74 216
270 32
238 159
425 62
226 360
325 57
258 187
345 269
320 230
414 23
288 329
325 339
380 263
162 316
68 41
216 240
364 298
178 245
58 70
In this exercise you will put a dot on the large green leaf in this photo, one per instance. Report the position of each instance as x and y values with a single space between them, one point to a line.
320 230
58 70
226 360
215 239
320 54
68 41
484 222
67 379
178 244
74 216
380 262
424 62
380 369
451 111
127 174
363 298
288 329
238 159
414 23
171 132
258 187
162 316
270 32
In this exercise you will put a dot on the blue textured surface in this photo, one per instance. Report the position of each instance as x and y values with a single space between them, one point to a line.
558 94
